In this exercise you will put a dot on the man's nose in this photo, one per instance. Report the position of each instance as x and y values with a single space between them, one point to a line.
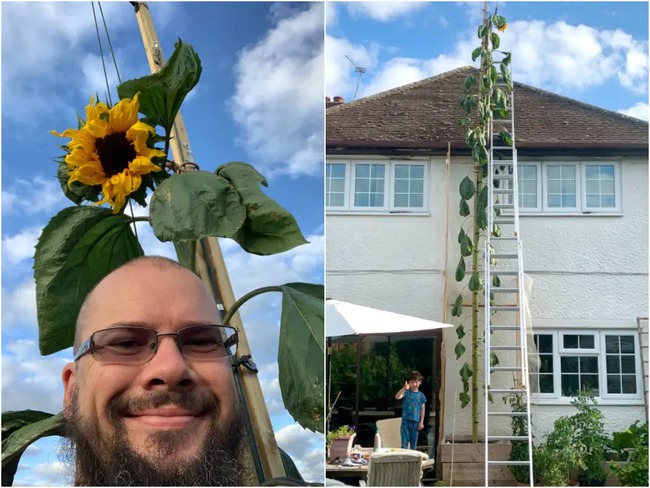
168 367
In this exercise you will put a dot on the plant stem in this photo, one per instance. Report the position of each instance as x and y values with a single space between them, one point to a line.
245 298
140 219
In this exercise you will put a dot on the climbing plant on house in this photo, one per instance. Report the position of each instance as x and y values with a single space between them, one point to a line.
482 98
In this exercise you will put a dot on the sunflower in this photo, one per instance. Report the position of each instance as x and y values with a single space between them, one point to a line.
502 27
111 150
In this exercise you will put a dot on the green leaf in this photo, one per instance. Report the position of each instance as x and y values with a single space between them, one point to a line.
463 209
456 311
506 137
470 81
77 192
464 399
459 350
496 281
494 359
301 353
496 42
476 53
466 247
461 235
483 197
475 282
482 30
189 206
76 250
162 93
496 230
467 188
460 332
466 372
269 227
460 270
19 430
481 218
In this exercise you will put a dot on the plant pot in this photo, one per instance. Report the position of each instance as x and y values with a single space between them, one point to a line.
341 447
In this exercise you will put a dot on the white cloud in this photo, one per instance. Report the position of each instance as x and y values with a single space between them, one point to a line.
330 14
19 247
31 381
48 473
639 110
31 197
19 307
384 11
306 448
278 101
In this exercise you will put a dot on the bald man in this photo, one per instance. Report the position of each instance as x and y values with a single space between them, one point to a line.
150 397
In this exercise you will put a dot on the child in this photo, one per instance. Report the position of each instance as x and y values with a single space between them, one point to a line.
412 410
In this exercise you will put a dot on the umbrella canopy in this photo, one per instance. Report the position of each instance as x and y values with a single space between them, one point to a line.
348 319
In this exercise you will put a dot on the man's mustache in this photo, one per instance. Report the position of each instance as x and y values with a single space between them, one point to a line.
122 406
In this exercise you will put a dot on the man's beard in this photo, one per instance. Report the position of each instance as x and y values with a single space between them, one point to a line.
108 459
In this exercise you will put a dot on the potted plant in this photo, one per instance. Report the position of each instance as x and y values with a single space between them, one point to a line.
519 449
632 446
339 442
590 439
558 461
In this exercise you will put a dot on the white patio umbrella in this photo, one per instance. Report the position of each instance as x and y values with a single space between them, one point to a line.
350 322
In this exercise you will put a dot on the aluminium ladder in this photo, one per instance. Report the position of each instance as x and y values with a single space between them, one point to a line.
643 353
505 319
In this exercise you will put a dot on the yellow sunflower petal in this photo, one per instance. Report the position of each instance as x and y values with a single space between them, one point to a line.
124 114
142 166
139 134
95 124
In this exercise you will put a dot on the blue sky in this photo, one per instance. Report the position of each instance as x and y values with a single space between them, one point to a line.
595 52
260 100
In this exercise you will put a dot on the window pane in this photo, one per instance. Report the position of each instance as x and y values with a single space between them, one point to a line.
546 383
570 341
569 365
553 172
362 170
628 364
568 186
590 382
588 365
377 170
613 383
627 344
337 170
401 186
417 201
401 200
554 186
568 200
377 186
554 200
545 343
528 186
608 201
613 364
335 200
528 172
586 341
611 344
570 384
607 186
546 363
629 383
417 171
401 171
568 172
592 172
362 185
417 186
336 186
593 201
529 201
593 186
361 199
376 200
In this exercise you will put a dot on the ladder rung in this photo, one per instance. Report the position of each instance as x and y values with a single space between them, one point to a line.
507 390
503 191
501 148
508 414
509 463
503 205
501 177
505 238
505 368
502 162
504 290
505 348
503 221
505 327
504 255
504 273
507 438
501 121
505 308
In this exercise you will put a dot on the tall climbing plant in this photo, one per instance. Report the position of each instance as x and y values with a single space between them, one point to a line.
482 98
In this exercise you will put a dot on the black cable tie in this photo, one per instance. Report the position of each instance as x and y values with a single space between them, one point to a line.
246 361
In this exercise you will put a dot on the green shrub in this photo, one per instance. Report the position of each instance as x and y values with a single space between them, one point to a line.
633 443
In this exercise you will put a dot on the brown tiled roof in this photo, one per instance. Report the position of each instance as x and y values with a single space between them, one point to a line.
427 114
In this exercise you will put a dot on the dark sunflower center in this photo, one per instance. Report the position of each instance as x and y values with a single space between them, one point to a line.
115 153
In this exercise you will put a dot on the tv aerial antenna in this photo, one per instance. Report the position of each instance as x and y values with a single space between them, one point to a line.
357 69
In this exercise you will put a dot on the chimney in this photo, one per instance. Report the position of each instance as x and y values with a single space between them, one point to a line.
337 101
328 99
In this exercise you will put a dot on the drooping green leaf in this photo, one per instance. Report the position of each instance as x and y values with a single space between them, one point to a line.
506 137
460 332
189 206
466 247
467 188
463 208
496 230
466 372
459 349
464 399
461 235
481 218
269 227
482 30
470 81
496 42
496 281
460 270
476 53
162 93
483 197
457 310
19 430
301 336
76 250
494 359
475 282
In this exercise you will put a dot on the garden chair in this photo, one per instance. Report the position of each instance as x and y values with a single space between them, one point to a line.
394 469
389 431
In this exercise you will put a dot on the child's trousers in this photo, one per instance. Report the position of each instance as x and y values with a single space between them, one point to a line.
409 431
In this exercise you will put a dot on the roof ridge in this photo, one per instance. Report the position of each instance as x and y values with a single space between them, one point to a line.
401 88
583 104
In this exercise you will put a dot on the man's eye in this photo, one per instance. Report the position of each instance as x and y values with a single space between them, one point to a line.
126 344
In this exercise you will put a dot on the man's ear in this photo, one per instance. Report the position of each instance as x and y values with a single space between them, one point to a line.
69 377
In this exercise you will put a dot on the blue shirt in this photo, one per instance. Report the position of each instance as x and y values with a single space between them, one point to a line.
412 405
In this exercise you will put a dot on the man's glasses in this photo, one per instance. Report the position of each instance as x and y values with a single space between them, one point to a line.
135 345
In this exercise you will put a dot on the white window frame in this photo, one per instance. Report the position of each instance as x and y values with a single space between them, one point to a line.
604 398
538 169
581 187
346 187
349 206
617 186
